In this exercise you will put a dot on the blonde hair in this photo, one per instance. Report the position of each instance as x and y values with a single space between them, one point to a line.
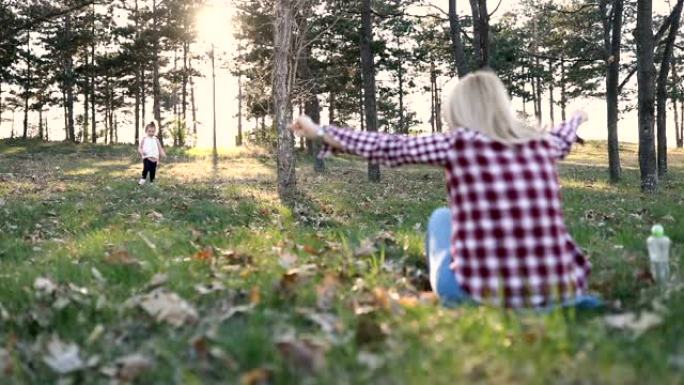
479 102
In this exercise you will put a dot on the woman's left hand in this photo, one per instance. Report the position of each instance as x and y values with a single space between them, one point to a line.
305 127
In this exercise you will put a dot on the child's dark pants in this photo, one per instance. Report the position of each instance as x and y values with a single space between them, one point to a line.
149 167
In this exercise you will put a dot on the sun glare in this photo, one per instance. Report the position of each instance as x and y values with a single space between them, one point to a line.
215 24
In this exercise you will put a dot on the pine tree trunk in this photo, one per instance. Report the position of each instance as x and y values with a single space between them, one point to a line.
137 107
69 81
552 107
433 97
400 76
184 101
93 100
40 123
368 71
282 107
564 96
480 32
156 88
331 109
143 97
238 140
680 143
192 103
438 108
613 40
86 104
661 88
646 84
27 84
460 62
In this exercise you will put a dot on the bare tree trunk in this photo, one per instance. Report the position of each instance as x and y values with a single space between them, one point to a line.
680 143
86 105
331 109
192 103
612 29
661 88
552 103
283 41
69 80
312 106
156 88
460 62
184 101
646 82
362 113
40 123
480 32
93 124
433 97
368 70
138 84
143 97
27 84
400 76
564 96
238 140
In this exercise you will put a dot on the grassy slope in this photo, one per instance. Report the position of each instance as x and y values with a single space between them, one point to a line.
63 209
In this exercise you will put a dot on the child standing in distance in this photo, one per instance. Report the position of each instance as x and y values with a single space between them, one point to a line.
150 149
502 240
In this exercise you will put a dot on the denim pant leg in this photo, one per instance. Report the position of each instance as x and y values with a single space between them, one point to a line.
437 242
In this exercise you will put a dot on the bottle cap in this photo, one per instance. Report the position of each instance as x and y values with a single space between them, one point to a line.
657 231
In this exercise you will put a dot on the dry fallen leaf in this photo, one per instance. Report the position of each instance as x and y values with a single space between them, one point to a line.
166 306
206 254
157 280
258 376
306 355
327 291
63 357
131 366
638 324
121 257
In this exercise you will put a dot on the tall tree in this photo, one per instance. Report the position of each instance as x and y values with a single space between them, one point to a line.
460 61
480 32
368 74
284 22
612 35
661 87
646 84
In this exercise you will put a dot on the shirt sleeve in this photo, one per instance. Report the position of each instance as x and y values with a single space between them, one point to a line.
392 150
564 136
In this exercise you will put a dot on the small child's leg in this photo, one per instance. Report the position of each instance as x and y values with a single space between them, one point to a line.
153 170
437 242
146 168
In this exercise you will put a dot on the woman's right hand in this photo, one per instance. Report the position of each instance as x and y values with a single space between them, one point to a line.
305 127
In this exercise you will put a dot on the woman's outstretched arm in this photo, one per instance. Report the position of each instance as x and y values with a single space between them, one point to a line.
386 149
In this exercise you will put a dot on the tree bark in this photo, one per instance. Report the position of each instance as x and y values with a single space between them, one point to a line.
552 103
564 96
69 80
27 85
283 41
613 40
192 103
238 140
312 106
400 76
368 71
661 88
460 61
646 84
93 124
156 88
480 32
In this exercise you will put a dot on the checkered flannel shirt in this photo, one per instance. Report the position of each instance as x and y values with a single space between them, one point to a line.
509 243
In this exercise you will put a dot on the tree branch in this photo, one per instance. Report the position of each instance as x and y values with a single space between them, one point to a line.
31 24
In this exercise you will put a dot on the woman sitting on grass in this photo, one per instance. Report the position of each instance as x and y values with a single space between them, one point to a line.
503 239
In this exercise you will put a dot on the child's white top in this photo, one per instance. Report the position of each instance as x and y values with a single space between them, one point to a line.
150 148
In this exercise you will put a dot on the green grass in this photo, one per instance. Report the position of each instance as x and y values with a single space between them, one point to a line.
65 209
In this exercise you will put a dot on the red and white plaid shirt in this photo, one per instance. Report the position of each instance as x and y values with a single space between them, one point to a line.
508 238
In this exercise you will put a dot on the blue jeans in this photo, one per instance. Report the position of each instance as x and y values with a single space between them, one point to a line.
443 279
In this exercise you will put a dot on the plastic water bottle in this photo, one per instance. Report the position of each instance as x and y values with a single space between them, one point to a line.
658 251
